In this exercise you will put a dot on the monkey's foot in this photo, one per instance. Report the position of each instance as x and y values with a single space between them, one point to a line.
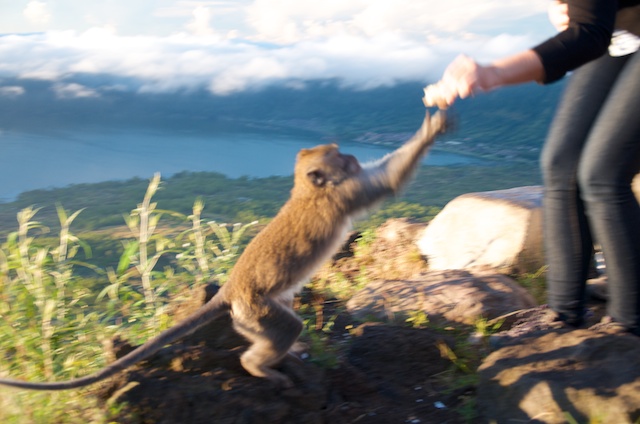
256 367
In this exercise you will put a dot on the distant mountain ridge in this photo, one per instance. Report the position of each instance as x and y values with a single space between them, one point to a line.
509 123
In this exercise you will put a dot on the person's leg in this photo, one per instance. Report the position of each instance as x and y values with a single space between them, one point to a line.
610 160
568 241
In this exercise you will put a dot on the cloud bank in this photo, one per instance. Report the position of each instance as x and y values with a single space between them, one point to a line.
227 47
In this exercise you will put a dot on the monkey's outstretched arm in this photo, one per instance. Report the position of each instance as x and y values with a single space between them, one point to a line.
390 173
213 309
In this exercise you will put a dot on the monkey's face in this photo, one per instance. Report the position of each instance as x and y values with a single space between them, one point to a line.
323 165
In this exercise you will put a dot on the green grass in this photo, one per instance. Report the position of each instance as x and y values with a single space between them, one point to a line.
54 319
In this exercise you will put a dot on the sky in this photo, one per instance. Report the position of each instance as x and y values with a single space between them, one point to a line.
227 47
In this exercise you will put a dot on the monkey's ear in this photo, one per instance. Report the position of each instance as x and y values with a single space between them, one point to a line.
317 177
304 152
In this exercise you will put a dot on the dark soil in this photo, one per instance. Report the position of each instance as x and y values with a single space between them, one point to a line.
377 373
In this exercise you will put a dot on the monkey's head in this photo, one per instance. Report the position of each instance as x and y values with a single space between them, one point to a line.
323 166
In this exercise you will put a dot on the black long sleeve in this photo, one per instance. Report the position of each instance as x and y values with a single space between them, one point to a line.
591 24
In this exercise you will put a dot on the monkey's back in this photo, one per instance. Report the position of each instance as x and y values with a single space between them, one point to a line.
283 256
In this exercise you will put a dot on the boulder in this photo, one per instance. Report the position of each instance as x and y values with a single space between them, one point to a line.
444 296
559 377
500 229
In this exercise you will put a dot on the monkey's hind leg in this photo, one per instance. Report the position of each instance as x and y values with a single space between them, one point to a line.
298 348
271 335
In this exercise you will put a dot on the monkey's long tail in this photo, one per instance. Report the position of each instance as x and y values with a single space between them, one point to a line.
212 310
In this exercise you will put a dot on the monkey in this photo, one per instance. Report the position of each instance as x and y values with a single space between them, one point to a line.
330 190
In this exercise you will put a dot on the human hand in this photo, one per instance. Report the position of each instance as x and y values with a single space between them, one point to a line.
558 12
462 78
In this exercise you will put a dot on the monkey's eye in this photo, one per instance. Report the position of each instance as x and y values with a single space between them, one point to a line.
316 177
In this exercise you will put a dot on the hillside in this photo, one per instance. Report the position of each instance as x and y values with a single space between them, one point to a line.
508 126
513 119
245 199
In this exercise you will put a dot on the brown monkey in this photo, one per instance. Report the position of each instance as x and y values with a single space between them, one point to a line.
330 189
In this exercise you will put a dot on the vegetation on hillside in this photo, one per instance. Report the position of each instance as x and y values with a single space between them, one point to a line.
55 317
102 223
243 199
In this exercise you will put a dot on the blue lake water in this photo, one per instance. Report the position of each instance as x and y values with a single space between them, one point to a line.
29 161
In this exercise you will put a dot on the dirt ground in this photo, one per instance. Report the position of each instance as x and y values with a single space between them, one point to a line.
377 373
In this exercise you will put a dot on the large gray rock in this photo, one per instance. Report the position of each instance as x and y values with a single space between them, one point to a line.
582 374
449 296
500 229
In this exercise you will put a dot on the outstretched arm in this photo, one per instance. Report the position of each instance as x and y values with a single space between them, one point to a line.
464 77
389 174
585 32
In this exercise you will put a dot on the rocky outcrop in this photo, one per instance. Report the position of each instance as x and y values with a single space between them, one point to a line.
500 229
581 375
551 376
394 253
444 296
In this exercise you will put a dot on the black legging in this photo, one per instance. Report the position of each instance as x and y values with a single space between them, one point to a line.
589 159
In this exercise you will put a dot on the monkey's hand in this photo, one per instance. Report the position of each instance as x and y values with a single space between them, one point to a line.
389 174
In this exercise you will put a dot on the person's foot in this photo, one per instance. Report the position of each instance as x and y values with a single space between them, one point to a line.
610 326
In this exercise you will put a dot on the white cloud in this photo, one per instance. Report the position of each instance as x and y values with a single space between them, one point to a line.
282 21
201 23
37 12
12 91
186 62
73 91
361 43
184 8
290 21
